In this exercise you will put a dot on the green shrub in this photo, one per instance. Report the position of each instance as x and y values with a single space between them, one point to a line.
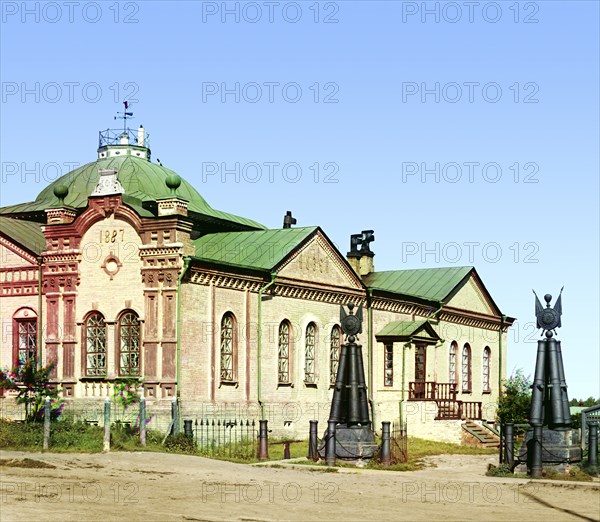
502 470
180 443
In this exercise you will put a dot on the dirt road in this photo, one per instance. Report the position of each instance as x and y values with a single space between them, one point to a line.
157 487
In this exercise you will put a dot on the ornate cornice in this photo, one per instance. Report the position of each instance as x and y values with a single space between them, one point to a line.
221 280
18 250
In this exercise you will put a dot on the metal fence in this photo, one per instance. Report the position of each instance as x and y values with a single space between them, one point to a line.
226 438
399 443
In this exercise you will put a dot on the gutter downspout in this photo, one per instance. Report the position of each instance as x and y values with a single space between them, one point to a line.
370 354
502 319
259 344
40 322
186 264
403 390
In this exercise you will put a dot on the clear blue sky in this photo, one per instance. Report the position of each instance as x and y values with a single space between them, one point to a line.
387 91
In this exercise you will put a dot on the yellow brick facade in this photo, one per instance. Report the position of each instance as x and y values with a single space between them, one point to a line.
113 257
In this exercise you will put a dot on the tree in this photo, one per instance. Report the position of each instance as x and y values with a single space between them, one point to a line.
515 401
32 385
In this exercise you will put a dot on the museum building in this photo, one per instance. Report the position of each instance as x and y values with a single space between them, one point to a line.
121 269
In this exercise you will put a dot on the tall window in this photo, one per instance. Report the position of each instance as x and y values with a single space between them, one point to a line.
466 368
485 381
420 363
334 353
284 353
95 345
26 340
388 365
129 344
452 362
309 354
228 348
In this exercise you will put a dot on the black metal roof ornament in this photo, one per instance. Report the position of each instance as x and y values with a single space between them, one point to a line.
362 240
548 319
288 220
351 324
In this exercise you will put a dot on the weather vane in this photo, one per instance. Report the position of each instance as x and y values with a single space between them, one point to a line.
548 319
124 115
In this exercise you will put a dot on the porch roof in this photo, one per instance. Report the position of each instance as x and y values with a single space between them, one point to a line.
408 331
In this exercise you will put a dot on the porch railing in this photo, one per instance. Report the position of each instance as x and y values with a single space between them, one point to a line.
457 410
431 391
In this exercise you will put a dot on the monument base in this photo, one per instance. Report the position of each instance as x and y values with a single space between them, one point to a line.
351 443
560 449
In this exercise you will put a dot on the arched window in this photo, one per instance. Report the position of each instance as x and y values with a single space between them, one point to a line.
94 332
24 336
334 353
228 348
284 353
388 364
487 368
309 353
466 368
129 344
452 362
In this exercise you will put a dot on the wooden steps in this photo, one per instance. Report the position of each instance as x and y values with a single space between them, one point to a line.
485 436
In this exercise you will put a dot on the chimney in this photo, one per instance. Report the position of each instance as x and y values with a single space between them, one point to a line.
360 256
141 136
288 220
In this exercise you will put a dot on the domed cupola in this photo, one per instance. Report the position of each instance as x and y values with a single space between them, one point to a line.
124 168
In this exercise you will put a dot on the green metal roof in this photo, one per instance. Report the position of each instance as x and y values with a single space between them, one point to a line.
257 250
431 284
405 330
28 234
140 178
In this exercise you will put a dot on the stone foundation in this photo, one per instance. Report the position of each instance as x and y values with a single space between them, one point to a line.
560 449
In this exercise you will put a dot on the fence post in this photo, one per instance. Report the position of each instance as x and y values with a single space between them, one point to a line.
263 440
174 419
313 451
46 423
501 456
143 421
535 447
107 424
330 445
386 451
509 444
593 444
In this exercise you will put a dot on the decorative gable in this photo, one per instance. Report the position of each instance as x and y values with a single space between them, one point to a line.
320 263
473 296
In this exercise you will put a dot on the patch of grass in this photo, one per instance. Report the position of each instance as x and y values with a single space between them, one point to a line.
419 448
66 436
26 463
576 474
502 470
